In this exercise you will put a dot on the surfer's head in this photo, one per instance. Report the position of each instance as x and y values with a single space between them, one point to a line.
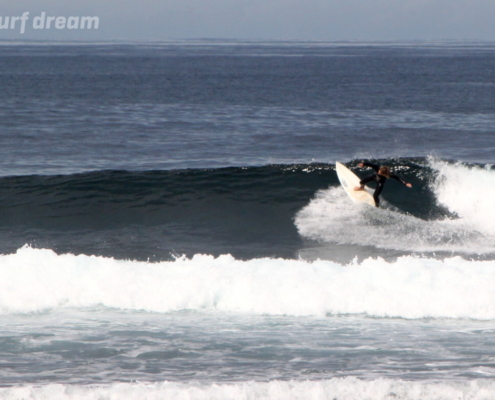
385 171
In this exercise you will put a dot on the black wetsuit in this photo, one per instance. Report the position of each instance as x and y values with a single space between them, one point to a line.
379 179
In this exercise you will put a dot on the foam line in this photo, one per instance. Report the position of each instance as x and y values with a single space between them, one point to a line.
35 280
337 388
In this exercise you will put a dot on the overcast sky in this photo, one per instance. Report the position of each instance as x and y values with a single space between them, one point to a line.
327 20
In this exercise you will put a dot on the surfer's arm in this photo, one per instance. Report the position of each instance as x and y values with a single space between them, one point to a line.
397 178
370 165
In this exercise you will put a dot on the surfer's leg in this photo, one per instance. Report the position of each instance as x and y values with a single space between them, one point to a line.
368 179
364 181
377 201
376 195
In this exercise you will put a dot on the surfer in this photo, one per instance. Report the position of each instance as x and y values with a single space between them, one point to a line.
380 177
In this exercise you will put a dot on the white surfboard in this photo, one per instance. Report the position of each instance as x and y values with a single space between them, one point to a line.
349 180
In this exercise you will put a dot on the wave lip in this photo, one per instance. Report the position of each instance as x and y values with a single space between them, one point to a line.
468 192
38 280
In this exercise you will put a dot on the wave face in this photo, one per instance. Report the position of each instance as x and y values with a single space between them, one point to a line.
149 215
37 280
271 211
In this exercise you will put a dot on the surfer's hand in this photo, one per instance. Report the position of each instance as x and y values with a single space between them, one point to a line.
358 188
408 185
361 165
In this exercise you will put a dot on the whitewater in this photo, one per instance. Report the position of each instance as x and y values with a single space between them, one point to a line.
37 280
345 389
465 192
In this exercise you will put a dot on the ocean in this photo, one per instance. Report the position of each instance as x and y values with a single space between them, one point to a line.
172 226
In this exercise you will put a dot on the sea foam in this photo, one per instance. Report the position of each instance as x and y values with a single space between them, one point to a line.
337 388
36 280
468 192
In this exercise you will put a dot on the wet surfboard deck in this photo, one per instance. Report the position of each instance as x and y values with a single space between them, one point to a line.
349 180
